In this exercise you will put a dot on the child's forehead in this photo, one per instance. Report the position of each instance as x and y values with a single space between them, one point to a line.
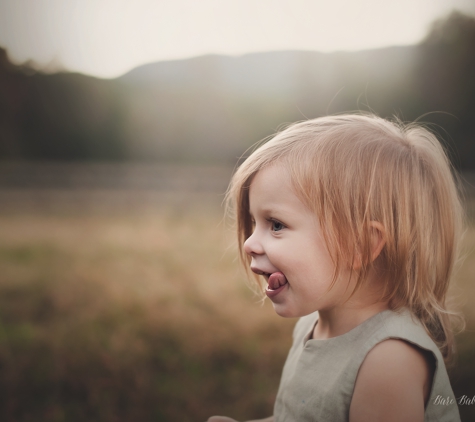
272 190
286 180
271 178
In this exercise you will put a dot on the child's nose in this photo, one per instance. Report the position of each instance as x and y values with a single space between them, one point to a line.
252 245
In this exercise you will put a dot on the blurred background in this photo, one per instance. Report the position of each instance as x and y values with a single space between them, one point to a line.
121 297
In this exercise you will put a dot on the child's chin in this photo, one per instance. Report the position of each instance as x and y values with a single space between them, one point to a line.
286 311
283 311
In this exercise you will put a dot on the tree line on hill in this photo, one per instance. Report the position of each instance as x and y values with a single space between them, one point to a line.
210 109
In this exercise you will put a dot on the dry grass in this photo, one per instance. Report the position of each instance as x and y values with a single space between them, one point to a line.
136 317
145 316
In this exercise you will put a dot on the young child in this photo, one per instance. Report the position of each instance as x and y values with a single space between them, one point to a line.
353 222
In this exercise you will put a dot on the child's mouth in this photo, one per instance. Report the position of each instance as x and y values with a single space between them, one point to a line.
276 280
276 283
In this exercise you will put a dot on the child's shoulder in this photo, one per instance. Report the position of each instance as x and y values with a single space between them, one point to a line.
402 365
396 372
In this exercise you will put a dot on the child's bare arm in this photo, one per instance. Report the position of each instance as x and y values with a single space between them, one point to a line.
226 419
393 384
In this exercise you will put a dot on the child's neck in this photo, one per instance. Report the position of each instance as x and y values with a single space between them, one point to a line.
338 321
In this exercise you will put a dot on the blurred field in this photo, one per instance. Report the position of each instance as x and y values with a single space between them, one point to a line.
130 316
141 313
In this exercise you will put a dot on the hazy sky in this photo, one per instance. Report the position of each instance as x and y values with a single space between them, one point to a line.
109 37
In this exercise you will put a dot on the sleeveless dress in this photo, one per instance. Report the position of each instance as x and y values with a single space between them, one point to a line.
319 375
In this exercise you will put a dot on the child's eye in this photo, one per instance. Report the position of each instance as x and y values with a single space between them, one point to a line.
276 226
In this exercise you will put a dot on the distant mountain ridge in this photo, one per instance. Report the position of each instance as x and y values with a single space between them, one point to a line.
270 69
210 109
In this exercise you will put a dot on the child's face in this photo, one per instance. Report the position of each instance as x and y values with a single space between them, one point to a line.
288 248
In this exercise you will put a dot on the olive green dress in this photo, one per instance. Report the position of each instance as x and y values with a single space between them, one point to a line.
319 375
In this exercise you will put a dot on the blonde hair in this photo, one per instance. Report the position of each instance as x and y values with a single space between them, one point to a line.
354 169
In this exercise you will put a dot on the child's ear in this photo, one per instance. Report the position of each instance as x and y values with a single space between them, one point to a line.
378 240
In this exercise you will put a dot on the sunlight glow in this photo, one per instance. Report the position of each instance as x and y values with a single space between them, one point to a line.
108 37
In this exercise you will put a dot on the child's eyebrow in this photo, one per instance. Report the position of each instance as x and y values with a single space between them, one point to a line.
278 213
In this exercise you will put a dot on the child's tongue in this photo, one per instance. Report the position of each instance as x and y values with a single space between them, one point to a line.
276 280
